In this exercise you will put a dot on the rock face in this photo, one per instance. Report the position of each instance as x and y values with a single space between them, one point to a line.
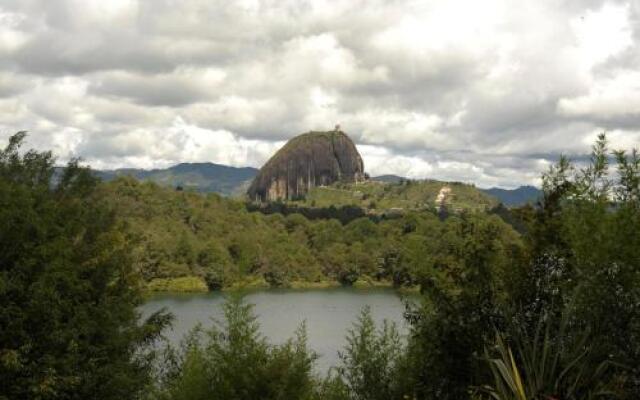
309 160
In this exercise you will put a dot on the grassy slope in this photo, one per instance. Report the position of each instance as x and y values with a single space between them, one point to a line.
415 195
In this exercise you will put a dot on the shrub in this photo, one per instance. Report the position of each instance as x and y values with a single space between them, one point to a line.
372 364
233 361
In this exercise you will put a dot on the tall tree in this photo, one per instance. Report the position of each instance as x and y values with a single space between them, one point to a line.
68 321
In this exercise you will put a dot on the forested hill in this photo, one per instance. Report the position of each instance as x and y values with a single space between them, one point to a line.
378 197
509 197
200 177
185 239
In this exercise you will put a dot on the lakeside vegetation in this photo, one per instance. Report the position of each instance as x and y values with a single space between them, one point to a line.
549 313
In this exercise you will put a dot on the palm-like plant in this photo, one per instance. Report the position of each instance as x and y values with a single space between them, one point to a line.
553 365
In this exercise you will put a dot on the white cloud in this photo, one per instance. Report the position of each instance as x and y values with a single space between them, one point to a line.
11 37
607 97
178 142
602 33
182 86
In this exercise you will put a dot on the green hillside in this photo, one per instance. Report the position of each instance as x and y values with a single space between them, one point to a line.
188 241
406 195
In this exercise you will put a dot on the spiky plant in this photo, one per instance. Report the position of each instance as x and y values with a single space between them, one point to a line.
554 364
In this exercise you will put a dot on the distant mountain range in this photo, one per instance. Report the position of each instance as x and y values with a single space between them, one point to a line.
388 178
201 177
515 197
233 181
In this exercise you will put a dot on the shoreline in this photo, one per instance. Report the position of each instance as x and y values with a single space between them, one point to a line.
194 284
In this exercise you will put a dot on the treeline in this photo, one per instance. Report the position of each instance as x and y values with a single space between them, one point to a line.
179 234
344 214
554 314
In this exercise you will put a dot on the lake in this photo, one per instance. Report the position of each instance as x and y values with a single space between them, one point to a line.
329 314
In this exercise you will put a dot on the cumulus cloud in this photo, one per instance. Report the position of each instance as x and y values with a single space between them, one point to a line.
180 87
162 147
480 92
607 98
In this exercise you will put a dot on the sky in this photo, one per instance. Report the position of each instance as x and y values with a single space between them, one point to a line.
488 92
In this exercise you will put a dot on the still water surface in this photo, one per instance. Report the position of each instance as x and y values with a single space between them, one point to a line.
329 314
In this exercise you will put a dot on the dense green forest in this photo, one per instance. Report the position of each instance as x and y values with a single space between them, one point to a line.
210 239
549 313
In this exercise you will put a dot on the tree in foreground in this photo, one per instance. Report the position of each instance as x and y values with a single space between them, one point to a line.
232 360
68 322
373 364
573 327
